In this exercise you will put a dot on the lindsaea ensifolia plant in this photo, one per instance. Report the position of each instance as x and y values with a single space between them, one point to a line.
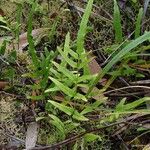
64 78
62 75
72 73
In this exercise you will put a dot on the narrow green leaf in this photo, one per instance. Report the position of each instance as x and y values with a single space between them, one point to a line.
4 27
69 111
117 23
78 116
86 77
54 89
93 106
32 50
83 28
80 96
59 125
2 20
39 97
136 103
57 74
73 54
138 23
69 61
3 47
66 48
65 71
81 36
63 88
120 106
90 137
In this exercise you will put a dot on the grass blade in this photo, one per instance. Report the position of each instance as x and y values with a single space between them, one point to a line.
117 23
83 28
118 57
81 35
138 23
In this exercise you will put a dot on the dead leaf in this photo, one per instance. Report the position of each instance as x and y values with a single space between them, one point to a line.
3 84
97 94
94 66
95 69
31 135
2 13
23 42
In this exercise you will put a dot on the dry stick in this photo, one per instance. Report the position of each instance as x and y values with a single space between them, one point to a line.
124 127
7 63
101 8
140 82
128 94
74 138
124 143
146 4
17 139
128 87
93 14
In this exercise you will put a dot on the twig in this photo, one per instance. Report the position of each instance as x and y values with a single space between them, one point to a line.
125 145
17 139
93 14
74 138
100 8
7 63
140 82
128 87
127 95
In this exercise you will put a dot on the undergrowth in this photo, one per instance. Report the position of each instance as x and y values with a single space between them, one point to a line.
60 79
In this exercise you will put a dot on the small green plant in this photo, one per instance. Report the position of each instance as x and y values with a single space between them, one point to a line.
132 48
61 75
3 24
62 81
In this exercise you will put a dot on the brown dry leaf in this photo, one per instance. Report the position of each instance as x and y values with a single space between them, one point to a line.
23 42
94 66
2 13
95 69
3 84
97 93
31 135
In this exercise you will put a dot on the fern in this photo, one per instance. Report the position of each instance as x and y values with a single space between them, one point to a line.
73 69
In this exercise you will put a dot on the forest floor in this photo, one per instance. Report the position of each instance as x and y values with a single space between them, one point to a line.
118 116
